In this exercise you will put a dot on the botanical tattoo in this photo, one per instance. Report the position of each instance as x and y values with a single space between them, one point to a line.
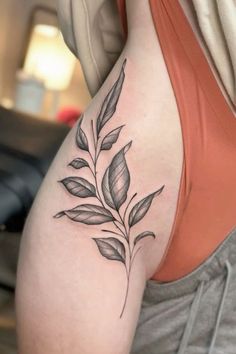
122 245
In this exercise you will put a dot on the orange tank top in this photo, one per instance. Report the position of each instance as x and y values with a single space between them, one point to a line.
206 207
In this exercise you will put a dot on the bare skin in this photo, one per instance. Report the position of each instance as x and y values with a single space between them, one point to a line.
70 297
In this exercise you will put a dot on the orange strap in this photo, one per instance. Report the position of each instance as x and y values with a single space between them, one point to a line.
207 196
122 10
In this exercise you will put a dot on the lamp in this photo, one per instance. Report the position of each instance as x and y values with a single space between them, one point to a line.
48 58
47 64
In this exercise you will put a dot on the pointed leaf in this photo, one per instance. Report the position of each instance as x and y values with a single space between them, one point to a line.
59 215
81 139
88 214
111 100
111 248
106 190
142 207
79 187
116 181
142 235
78 163
111 138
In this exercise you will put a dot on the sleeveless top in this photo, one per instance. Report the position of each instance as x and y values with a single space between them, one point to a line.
205 212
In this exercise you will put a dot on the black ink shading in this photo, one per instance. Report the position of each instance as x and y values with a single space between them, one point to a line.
112 193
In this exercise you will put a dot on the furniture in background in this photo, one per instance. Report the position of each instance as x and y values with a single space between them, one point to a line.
27 147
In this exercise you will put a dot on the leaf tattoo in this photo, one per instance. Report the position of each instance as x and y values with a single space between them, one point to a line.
116 180
79 187
81 138
142 235
112 192
78 163
141 208
111 248
88 214
111 139
109 105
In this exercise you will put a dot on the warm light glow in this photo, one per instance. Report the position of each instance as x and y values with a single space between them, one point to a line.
48 58
7 102
47 31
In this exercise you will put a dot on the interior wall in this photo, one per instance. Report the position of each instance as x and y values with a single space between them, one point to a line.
14 17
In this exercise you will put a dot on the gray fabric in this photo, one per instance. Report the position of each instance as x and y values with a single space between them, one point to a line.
195 314
180 317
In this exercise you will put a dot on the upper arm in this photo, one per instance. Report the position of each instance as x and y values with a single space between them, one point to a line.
84 255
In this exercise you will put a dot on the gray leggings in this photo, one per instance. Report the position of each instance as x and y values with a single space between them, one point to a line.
195 314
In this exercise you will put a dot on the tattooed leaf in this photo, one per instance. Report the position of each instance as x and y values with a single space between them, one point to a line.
142 207
111 138
59 215
78 163
144 234
88 214
111 100
79 187
81 139
111 248
116 180
106 190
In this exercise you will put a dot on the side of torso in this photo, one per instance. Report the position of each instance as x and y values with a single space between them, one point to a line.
174 252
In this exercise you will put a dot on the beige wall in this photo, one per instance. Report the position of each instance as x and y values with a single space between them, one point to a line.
14 17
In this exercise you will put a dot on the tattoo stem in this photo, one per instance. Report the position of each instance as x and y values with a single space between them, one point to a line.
128 205
114 222
128 274
126 294
93 133
127 287
95 143
123 224
112 232
91 157
92 171
135 254
95 159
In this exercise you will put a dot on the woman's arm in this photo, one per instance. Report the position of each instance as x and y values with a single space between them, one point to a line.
94 235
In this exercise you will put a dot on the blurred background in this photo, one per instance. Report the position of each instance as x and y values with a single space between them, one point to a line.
38 74
42 94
